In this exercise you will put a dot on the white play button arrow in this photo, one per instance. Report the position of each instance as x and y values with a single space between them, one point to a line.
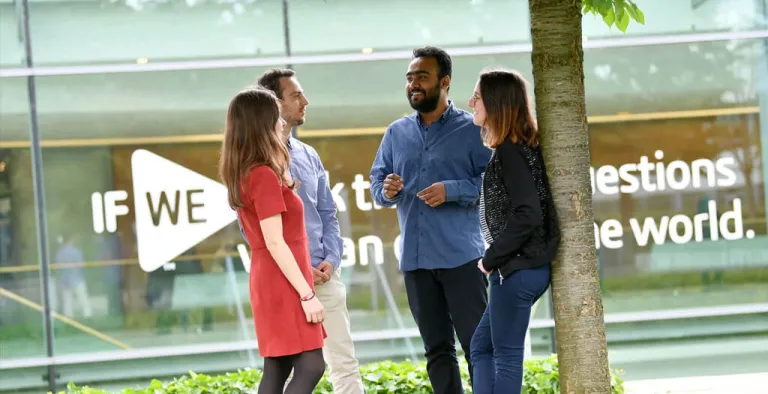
176 208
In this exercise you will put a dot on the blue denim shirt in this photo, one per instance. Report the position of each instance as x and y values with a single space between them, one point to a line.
325 242
450 150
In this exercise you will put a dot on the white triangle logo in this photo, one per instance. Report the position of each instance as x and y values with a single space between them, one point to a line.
176 208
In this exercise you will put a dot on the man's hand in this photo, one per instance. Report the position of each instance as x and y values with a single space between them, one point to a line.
327 269
433 195
393 184
319 276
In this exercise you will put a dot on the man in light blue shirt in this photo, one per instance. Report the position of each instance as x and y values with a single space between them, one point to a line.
325 244
430 165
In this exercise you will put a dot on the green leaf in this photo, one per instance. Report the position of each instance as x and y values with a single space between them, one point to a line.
603 6
618 12
609 18
639 16
622 22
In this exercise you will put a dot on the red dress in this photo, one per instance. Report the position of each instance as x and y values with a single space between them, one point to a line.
281 326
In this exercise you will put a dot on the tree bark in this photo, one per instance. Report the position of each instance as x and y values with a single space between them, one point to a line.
558 76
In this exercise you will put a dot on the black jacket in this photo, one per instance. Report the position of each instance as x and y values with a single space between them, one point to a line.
517 212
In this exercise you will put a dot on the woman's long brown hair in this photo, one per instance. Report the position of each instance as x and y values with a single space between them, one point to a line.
508 109
250 140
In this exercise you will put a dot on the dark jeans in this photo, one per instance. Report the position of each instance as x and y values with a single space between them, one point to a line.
497 346
442 300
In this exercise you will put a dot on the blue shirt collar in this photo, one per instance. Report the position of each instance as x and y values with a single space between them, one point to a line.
449 113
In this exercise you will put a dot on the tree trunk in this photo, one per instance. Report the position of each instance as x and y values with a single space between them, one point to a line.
558 76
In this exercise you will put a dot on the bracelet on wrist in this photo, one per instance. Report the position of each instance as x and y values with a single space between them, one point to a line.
309 296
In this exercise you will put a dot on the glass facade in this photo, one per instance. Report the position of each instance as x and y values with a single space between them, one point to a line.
130 99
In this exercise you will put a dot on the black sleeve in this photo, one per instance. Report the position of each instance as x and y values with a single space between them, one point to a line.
521 189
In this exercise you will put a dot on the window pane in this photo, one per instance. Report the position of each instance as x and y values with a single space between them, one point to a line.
645 79
21 320
193 299
626 80
11 45
354 25
677 77
124 106
372 94
92 32
691 225
674 253
696 16
14 111
640 101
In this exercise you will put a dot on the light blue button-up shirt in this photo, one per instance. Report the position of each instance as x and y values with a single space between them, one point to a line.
450 150
325 242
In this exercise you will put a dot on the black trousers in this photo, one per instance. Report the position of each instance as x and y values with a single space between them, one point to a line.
441 301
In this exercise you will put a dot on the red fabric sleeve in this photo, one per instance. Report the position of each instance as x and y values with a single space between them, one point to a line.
266 192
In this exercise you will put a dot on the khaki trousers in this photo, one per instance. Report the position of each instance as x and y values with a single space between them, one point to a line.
339 350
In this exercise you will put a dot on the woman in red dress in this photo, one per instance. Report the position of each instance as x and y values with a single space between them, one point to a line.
287 315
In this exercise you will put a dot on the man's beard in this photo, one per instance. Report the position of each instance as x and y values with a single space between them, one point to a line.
428 103
293 121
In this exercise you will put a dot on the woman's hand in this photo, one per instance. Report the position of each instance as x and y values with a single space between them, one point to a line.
481 268
313 310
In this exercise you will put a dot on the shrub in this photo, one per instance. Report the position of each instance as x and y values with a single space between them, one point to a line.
387 377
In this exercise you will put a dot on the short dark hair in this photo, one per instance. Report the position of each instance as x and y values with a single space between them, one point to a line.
270 79
444 63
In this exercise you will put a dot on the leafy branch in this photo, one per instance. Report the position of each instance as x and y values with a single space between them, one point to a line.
618 12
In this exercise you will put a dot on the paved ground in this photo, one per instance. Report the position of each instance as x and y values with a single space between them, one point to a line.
719 384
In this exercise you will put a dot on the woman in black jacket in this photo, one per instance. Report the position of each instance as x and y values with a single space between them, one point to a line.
519 223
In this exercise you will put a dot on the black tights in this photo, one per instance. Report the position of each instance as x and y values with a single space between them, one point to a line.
308 368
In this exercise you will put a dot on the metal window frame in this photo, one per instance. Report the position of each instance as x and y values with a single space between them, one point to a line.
41 221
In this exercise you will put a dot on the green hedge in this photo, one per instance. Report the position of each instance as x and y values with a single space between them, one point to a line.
540 377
